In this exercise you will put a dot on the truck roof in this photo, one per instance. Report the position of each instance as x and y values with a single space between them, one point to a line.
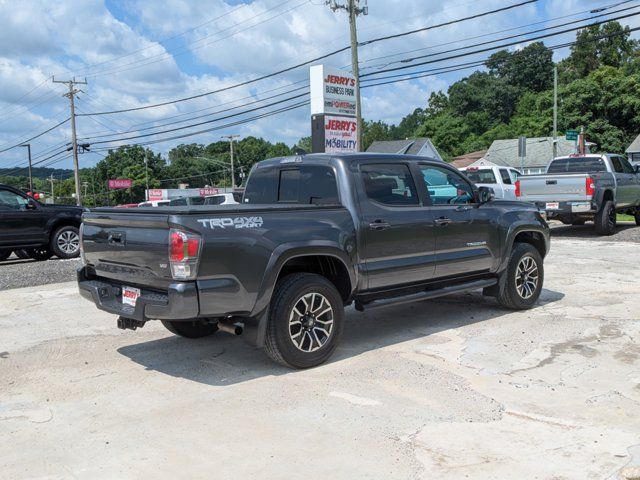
326 158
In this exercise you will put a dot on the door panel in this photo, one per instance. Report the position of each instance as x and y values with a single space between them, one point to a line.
397 231
466 240
20 224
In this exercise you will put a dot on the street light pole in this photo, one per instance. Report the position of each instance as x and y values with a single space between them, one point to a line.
28 145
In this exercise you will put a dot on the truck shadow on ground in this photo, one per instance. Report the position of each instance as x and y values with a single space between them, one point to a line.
589 231
223 359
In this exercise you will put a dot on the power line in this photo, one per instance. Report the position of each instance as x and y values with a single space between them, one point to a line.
36 136
497 47
313 60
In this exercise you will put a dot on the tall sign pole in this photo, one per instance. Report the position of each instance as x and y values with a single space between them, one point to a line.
555 111
353 9
28 145
72 92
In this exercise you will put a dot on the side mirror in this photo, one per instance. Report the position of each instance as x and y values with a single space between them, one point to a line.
485 195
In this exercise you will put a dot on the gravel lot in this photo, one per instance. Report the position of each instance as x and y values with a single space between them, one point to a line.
16 273
450 389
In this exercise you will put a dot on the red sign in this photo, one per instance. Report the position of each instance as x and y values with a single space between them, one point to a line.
340 134
208 191
156 194
115 184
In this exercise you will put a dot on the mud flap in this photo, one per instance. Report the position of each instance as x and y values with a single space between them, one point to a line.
494 290
255 329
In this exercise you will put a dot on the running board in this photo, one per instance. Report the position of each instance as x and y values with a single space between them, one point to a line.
427 295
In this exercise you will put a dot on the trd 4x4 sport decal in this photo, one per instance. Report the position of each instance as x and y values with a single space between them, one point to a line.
237 222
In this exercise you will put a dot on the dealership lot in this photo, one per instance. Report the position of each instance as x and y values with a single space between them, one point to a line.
440 389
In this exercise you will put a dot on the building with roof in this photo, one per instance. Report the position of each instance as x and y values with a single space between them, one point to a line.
633 152
539 153
468 158
421 147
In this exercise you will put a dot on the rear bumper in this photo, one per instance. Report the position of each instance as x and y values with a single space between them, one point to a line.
558 209
179 302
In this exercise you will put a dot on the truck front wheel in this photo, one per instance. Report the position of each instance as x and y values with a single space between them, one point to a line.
521 288
605 219
306 318
190 329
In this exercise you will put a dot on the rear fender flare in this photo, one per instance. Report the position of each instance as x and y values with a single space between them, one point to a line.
256 323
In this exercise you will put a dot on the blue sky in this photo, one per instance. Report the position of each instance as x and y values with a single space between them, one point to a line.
140 52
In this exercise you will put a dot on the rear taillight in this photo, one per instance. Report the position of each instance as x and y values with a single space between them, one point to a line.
518 192
184 251
590 186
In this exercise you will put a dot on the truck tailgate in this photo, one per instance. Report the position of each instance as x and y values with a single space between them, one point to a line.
131 247
554 188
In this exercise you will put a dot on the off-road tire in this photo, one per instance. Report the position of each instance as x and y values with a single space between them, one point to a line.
4 254
188 329
605 219
65 242
289 291
40 253
508 293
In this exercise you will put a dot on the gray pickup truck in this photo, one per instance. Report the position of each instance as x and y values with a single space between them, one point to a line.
578 188
314 234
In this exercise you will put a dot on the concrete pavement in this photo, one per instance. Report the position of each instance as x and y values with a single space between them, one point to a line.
445 389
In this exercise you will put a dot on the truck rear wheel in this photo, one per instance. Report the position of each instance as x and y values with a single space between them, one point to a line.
306 318
190 329
605 219
521 288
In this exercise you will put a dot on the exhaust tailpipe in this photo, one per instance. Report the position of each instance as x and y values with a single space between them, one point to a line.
232 328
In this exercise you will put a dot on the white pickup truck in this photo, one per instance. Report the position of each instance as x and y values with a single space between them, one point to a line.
578 188
502 180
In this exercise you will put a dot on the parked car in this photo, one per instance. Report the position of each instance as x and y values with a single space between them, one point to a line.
580 188
502 180
314 233
127 205
223 199
184 201
154 203
39 230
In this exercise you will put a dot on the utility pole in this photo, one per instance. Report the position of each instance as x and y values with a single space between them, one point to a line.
146 177
72 91
233 177
353 9
28 145
53 197
555 111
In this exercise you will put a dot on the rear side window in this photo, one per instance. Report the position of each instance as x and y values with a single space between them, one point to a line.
577 165
506 179
617 165
307 184
481 176
389 184
217 200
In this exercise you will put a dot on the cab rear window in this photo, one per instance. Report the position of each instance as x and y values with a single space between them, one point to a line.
305 184
577 165
481 176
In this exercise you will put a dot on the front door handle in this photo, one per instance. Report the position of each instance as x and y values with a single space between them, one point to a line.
443 221
379 225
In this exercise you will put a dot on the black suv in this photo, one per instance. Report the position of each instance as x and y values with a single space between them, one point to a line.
34 230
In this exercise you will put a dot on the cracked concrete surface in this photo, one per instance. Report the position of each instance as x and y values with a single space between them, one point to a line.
449 389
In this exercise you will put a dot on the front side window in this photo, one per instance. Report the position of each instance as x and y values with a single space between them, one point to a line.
12 201
389 184
446 187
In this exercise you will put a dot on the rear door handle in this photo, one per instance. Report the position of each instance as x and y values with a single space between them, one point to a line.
379 225
442 222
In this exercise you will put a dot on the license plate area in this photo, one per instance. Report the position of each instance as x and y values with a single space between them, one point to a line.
130 295
552 205
580 207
